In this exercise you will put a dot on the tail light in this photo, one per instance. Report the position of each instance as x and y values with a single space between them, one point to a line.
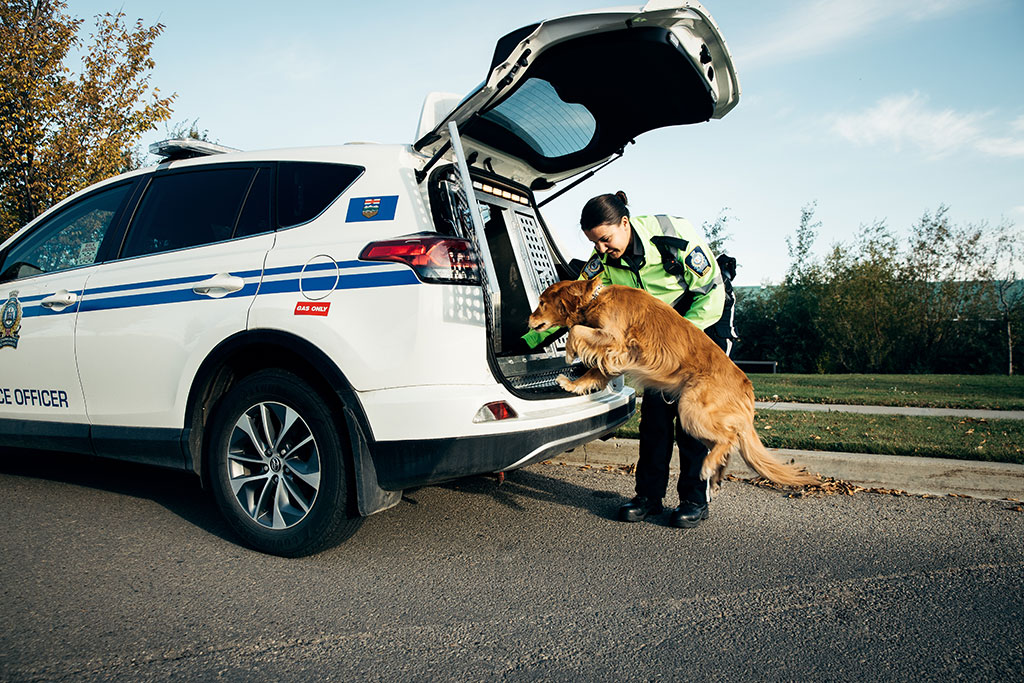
434 259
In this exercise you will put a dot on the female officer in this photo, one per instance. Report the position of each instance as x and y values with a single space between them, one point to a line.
666 257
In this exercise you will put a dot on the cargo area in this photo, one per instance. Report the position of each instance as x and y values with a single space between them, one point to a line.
524 262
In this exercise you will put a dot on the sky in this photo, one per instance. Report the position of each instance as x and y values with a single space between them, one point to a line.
871 110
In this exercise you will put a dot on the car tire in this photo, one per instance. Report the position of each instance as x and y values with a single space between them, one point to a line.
277 466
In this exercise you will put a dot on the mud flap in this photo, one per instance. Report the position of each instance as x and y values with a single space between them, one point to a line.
370 497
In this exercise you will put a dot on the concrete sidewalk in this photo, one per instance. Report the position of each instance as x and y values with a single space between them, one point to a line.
893 410
919 476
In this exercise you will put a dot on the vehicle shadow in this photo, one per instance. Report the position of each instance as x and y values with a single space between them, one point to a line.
532 483
176 490
180 493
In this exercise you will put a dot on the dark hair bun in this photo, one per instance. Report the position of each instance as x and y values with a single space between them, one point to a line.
604 209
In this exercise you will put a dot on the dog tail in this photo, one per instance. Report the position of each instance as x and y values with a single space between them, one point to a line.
764 463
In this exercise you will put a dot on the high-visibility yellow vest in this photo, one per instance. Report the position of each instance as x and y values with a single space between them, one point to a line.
694 287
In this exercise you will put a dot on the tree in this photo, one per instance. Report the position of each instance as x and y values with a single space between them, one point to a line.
61 131
801 244
187 130
798 301
1007 286
715 232
779 323
946 265
862 310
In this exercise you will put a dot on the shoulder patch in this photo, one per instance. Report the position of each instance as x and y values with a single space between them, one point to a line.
593 268
698 262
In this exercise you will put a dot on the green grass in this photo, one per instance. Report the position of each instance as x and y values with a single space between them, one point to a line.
933 437
940 437
994 392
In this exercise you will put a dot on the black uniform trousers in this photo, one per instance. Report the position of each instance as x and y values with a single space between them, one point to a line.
659 421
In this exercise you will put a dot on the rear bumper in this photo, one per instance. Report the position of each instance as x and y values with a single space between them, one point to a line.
417 462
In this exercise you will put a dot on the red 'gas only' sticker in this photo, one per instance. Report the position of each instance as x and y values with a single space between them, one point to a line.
312 308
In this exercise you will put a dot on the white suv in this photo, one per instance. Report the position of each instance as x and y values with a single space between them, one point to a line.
313 330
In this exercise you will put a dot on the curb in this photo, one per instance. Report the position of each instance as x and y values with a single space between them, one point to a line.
914 475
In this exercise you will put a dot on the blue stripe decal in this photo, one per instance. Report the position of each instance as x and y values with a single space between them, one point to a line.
390 278
312 285
33 311
171 297
40 297
169 281
155 283
281 270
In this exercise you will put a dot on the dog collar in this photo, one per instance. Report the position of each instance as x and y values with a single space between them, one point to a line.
597 291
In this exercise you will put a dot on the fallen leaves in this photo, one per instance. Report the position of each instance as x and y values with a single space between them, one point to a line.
612 469
827 487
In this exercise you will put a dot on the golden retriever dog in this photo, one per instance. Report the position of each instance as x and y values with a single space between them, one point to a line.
617 330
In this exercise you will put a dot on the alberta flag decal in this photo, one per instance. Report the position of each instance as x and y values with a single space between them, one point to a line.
372 208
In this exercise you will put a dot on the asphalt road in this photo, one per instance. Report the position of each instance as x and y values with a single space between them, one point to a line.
111 571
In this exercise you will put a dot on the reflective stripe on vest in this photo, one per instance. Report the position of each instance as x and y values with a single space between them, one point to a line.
668 229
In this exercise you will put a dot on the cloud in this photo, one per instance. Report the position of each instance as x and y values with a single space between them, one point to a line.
907 120
824 25
1001 147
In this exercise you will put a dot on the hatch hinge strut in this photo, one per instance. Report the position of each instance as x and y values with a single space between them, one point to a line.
587 176
422 173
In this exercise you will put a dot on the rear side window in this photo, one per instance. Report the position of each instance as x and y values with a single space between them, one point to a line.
255 216
68 240
305 189
190 209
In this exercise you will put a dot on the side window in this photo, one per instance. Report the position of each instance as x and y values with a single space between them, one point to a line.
255 216
181 210
69 239
305 189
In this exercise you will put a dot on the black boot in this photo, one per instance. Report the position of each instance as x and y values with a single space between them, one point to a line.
638 509
689 515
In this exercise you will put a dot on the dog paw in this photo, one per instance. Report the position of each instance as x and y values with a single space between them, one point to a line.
707 471
570 348
575 386
566 383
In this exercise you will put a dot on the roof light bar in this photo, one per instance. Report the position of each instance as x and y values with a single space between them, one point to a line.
186 148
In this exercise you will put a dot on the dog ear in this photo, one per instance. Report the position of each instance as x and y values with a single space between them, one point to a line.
564 305
592 285
574 298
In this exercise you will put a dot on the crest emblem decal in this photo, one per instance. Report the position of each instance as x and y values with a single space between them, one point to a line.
371 206
10 321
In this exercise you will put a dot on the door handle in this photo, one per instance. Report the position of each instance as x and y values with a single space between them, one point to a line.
59 300
219 285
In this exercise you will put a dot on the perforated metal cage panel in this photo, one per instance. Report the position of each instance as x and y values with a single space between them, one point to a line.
535 258
542 268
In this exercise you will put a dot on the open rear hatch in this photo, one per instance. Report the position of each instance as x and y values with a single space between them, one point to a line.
561 97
